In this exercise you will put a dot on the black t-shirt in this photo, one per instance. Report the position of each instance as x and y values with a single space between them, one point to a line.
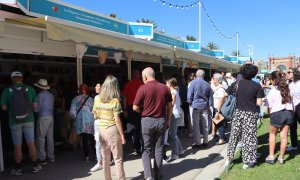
247 93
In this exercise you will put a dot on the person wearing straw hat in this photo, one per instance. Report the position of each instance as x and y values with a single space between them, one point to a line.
45 122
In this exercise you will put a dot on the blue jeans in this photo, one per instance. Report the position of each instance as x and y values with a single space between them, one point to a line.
220 127
18 130
175 142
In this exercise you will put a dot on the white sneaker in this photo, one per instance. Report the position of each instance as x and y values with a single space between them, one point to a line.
97 167
291 148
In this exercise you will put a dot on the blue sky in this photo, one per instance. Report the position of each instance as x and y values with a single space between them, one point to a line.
271 26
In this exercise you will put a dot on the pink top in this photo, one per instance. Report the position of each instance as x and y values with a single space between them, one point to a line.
295 92
274 101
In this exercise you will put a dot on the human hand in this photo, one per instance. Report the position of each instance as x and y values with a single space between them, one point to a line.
123 140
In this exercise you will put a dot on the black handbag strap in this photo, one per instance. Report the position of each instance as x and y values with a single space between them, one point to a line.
82 105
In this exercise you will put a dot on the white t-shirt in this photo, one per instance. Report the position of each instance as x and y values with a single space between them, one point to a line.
295 92
219 93
225 85
176 107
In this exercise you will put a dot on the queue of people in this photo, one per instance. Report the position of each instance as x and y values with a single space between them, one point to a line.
152 107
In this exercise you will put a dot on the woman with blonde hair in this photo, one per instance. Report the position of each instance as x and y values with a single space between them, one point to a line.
111 130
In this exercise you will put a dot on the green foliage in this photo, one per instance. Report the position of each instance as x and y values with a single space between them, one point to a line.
148 21
212 46
191 38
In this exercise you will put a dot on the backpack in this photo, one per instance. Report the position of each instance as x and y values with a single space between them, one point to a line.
228 107
20 103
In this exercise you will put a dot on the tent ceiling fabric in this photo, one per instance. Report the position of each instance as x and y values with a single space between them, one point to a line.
61 32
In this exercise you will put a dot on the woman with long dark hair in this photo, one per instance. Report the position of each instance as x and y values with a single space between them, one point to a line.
281 108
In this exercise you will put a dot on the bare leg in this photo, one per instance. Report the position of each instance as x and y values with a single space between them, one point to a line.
272 140
283 140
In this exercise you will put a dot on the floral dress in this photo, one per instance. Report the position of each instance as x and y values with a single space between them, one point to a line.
84 120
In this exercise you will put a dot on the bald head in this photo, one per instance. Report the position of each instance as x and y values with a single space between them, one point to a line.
200 73
148 74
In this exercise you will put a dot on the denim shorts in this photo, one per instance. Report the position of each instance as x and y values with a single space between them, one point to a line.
18 130
281 118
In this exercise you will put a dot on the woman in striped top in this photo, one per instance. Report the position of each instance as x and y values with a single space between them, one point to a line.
111 130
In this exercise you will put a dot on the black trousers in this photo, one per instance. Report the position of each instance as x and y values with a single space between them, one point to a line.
135 119
293 128
85 143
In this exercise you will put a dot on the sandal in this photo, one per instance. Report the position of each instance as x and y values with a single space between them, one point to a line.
270 160
281 161
220 143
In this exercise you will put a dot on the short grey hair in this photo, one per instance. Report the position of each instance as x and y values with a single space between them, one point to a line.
218 77
200 73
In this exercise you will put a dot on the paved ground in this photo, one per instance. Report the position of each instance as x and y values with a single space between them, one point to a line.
195 164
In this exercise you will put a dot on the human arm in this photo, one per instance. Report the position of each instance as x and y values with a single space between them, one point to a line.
120 127
169 114
4 100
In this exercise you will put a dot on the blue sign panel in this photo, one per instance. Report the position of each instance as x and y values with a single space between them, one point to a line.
24 3
193 45
167 40
219 53
207 51
141 30
57 10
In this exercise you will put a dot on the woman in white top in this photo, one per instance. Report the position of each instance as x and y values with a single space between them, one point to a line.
218 98
281 117
176 147
294 75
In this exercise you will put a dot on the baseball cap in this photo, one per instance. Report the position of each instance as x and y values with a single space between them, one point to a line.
16 74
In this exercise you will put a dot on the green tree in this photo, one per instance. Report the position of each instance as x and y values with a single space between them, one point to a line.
190 38
234 53
113 15
148 21
212 46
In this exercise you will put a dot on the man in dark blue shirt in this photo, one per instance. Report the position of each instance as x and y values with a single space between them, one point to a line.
200 98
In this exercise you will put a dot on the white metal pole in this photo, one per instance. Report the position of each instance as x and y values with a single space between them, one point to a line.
237 45
200 12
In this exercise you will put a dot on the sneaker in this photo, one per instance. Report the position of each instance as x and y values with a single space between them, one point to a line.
172 158
97 167
227 162
16 172
36 168
182 153
249 165
291 148
42 162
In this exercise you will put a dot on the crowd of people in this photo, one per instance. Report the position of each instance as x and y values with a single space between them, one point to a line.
153 111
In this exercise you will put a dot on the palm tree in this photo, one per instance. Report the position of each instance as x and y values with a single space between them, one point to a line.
212 46
113 15
234 53
148 21
190 38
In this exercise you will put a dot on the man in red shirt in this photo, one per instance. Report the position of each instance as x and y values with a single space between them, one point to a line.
133 117
154 100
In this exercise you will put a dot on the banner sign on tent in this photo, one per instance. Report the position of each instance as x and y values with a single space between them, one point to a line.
160 38
61 11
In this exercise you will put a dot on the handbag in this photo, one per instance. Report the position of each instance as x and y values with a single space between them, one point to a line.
219 119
